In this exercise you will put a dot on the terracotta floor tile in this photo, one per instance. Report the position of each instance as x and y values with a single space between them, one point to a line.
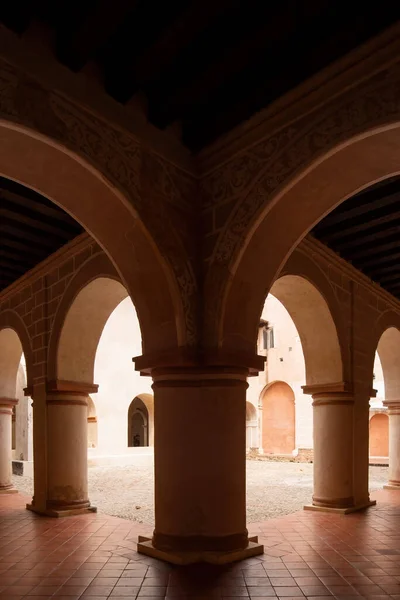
313 555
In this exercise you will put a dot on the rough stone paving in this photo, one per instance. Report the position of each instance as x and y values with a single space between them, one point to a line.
273 488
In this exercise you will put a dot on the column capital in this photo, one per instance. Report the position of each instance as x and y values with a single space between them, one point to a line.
188 358
69 392
199 376
393 406
7 404
327 388
71 387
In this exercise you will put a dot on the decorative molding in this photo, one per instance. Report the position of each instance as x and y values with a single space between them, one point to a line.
150 183
71 387
313 247
340 387
393 406
252 178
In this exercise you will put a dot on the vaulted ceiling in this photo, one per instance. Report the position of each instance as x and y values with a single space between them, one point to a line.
208 64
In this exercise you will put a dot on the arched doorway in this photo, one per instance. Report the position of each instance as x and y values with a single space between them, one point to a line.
379 435
251 426
278 404
138 424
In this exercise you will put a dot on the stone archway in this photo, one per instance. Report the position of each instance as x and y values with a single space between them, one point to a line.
138 424
389 354
71 182
379 435
316 327
88 313
278 429
257 251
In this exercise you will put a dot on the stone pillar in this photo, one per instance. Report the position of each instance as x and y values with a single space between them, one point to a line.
200 466
336 432
393 407
6 408
66 480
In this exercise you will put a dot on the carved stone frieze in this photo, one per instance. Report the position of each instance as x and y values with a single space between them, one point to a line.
274 161
149 182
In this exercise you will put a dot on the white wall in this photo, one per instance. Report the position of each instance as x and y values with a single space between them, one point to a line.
118 381
285 362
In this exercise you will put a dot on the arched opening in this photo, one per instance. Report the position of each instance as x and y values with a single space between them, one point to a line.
278 419
81 188
10 358
313 320
389 355
119 382
289 210
92 424
379 435
138 424
14 441
87 315
251 426
22 422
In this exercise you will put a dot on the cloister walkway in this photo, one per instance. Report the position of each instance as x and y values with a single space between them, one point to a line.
307 554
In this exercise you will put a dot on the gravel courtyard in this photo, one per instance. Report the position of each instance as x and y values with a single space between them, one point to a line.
273 488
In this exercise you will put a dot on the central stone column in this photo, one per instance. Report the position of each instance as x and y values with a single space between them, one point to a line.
6 409
200 466
393 407
336 461
66 451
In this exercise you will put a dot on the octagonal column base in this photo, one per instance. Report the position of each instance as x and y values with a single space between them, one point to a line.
391 486
341 511
9 489
176 557
61 512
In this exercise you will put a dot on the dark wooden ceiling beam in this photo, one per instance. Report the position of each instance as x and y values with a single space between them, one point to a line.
27 233
37 205
390 267
24 259
12 213
20 246
373 249
375 261
350 235
388 279
87 30
13 270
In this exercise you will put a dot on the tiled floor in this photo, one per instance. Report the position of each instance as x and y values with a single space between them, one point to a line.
316 555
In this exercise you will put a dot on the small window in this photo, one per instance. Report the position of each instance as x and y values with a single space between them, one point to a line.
268 338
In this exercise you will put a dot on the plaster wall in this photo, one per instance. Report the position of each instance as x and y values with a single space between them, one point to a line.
118 381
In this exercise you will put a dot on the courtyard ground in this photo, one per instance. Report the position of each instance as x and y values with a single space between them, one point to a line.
273 488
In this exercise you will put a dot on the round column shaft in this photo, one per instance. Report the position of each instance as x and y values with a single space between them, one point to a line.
200 465
333 450
67 451
6 409
394 444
